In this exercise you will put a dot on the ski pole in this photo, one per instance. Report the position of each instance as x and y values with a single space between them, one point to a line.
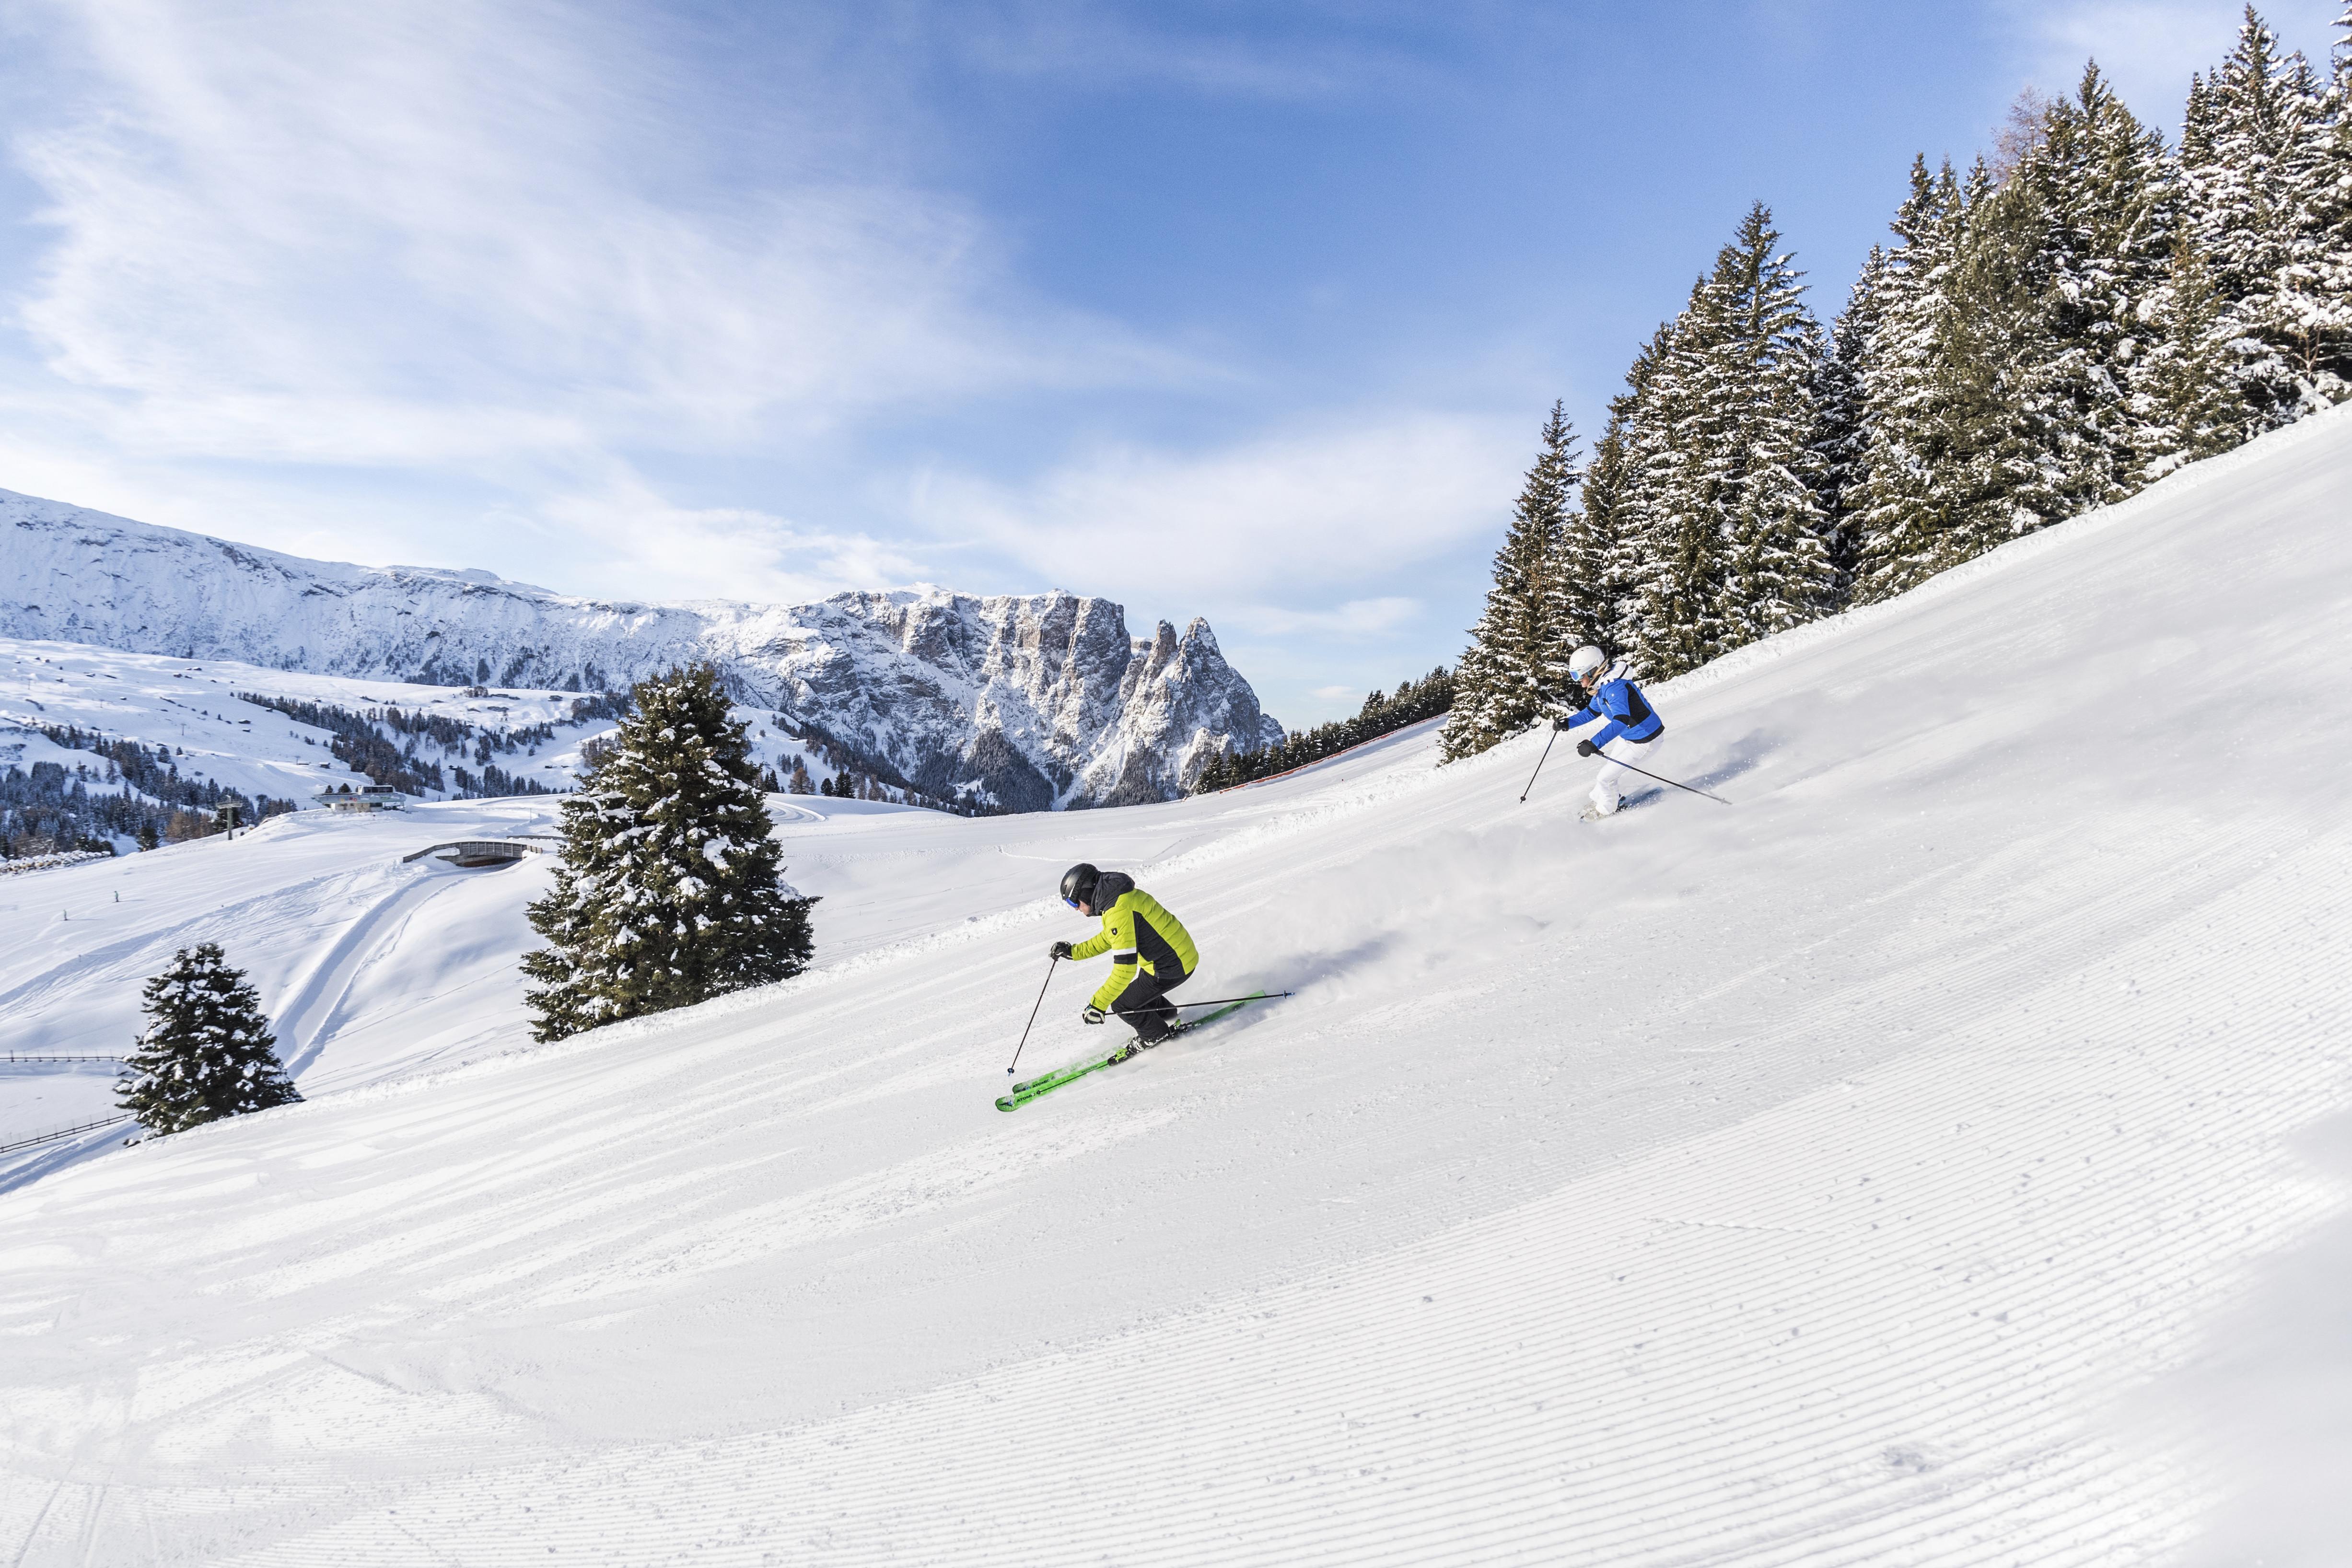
1664 780
1220 1001
1025 1028
1539 762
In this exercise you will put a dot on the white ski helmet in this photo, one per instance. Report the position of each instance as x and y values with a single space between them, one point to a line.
1584 662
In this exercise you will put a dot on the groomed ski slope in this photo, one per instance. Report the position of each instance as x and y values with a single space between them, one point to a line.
1850 1176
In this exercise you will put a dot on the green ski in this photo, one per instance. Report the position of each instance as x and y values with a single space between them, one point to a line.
1033 1087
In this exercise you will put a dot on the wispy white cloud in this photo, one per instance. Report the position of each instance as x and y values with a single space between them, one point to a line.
306 266
1354 618
668 551
1251 524
2147 48
1106 46
445 234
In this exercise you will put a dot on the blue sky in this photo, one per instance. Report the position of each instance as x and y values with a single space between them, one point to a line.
1246 310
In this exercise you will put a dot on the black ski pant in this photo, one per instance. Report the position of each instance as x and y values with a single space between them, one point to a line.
1145 1006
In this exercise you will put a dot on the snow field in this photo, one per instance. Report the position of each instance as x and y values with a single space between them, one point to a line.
1853 1176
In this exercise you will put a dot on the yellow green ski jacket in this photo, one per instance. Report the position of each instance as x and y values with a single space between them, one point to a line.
1136 930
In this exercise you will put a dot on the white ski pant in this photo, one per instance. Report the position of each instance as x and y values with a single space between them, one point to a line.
1609 784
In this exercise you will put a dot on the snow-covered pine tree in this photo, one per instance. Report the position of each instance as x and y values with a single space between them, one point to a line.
1669 551
1726 526
1841 446
1613 525
1585 602
1588 596
2018 350
1515 669
1959 397
2187 403
1551 485
667 893
206 1052
2323 287
2106 226
2020 456
1462 736
2256 168
1779 572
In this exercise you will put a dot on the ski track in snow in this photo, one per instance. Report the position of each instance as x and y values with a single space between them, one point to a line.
1830 1180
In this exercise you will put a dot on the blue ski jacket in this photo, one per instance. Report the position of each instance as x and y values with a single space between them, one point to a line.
1620 702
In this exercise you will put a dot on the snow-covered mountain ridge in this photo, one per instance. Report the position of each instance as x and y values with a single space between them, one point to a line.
1027 700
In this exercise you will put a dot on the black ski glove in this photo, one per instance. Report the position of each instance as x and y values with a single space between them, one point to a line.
1560 721
1094 1014
1586 748
1059 950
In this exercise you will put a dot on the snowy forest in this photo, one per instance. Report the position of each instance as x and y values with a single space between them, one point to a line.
2065 322
135 790
1383 713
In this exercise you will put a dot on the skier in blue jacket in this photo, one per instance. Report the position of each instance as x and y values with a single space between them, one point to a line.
1628 723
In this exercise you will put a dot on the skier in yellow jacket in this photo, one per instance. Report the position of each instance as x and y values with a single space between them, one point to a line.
1151 953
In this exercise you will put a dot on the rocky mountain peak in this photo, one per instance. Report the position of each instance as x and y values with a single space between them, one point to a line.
1026 702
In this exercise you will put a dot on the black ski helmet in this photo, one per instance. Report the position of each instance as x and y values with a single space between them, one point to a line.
1078 884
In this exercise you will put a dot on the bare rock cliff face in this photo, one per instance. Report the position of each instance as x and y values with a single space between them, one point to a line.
1027 701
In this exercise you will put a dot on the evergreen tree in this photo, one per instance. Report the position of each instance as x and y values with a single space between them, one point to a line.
1611 521
1584 567
1723 528
2324 285
2187 403
1970 439
1764 366
2258 166
1668 553
1841 449
2107 228
1516 668
206 1052
667 893
1896 513
1549 493
2017 456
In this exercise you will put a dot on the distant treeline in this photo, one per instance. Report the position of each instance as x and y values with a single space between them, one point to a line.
859 774
1409 704
52 809
362 746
